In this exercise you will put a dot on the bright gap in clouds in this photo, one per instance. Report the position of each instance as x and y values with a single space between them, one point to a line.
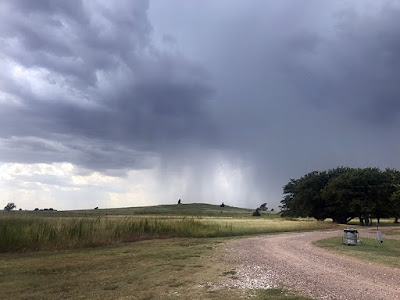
64 186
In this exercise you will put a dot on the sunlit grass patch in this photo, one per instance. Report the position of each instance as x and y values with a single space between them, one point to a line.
258 226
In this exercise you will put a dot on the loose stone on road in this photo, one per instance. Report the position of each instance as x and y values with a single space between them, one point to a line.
293 261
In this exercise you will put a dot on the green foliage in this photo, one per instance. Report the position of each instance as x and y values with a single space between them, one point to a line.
343 194
361 193
10 206
395 203
257 213
263 207
303 198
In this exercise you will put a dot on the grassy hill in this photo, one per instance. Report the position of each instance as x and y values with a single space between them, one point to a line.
192 209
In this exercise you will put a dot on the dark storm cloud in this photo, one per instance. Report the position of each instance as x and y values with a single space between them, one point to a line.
278 88
307 87
94 79
355 71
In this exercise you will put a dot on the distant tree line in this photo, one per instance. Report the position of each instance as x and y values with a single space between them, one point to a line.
344 194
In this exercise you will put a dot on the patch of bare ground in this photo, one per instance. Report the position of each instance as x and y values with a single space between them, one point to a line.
291 260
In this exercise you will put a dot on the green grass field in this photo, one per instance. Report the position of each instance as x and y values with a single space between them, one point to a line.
388 253
395 231
192 209
177 268
90 255
53 230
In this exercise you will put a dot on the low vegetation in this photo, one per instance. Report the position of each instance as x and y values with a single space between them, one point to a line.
395 231
388 253
177 268
30 232
170 259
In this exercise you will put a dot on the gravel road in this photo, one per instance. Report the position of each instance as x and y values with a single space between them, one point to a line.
293 261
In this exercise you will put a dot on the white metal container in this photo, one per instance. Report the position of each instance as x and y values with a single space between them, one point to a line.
350 237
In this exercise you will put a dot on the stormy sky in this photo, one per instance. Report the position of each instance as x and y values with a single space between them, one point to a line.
129 103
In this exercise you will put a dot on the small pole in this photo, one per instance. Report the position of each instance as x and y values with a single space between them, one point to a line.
378 234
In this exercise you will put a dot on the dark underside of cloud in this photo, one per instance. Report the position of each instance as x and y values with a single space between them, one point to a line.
103 90
84 82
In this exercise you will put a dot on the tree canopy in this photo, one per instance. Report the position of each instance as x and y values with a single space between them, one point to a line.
343 194
10 206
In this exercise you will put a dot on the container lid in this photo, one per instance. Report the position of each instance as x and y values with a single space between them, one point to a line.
351 230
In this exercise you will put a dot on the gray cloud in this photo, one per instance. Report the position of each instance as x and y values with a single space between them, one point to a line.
278 88
103 85
305 87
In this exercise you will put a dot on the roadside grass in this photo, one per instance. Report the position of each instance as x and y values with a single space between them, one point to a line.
177 268
276 294
25 233
387 254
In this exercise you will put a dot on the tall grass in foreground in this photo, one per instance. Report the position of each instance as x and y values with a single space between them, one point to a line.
29 234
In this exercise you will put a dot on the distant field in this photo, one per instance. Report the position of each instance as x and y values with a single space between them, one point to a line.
47 230
193 209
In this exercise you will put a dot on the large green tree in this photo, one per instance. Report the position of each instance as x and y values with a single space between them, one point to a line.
303 198
395 204
394 201
343 194
362 193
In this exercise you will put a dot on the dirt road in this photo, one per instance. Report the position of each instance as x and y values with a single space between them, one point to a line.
292 260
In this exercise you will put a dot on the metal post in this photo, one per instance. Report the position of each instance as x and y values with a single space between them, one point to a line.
378 234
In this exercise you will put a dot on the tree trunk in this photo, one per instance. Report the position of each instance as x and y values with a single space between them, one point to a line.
340 220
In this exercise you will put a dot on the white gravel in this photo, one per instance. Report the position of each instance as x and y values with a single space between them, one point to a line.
292 261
